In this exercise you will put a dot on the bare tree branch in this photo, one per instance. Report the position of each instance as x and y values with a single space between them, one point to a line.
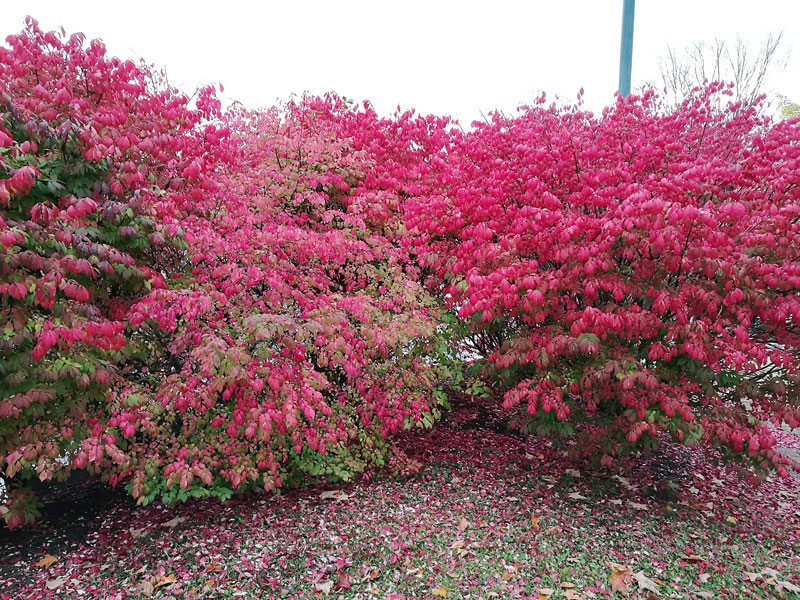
704 63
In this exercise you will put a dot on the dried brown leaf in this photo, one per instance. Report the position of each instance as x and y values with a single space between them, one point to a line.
343 580
174 522
620 577
324 587
645 583
56 583
165 580
147 587
47 561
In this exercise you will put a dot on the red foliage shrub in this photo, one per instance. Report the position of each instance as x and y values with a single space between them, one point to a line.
197 302
637 267
87 146
194 302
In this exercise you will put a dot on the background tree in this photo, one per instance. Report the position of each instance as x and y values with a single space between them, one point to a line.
747 69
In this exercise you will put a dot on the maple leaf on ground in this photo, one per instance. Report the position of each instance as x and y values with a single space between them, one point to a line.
174 522
165 580
572 595
343 580
55 583
462 524
46 561
545 593
213 567
147 587
692 558
324 588
645 583
441 592
576 496
337 495
620 577
535 520
786 585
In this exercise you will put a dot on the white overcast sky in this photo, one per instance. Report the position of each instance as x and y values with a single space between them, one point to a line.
456 58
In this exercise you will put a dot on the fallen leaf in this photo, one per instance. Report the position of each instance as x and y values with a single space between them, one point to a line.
535 520
337 495
441 592
645 583
731 519
137 533
615 501
704 577
576 496
752 576
572 595
174 522
639 506
573 473
462 524
324 588
147 587
625 482
55 583
545 593
693 558
343 580
620 577
46 561
770 572
371 575
165 580
213 567
786 585
566 585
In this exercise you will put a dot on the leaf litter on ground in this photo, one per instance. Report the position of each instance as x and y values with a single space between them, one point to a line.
472 523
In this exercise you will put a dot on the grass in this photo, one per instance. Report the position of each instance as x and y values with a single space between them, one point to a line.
488 516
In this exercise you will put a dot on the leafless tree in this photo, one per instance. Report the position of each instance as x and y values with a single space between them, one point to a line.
739 64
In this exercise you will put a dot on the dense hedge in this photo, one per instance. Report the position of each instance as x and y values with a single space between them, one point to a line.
636 269
195 302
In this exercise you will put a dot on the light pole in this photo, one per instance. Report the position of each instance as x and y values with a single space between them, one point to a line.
626 48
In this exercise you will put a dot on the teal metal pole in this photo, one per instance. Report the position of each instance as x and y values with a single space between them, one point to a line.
626 49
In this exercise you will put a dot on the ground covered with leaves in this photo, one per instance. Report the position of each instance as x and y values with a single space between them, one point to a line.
489 514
